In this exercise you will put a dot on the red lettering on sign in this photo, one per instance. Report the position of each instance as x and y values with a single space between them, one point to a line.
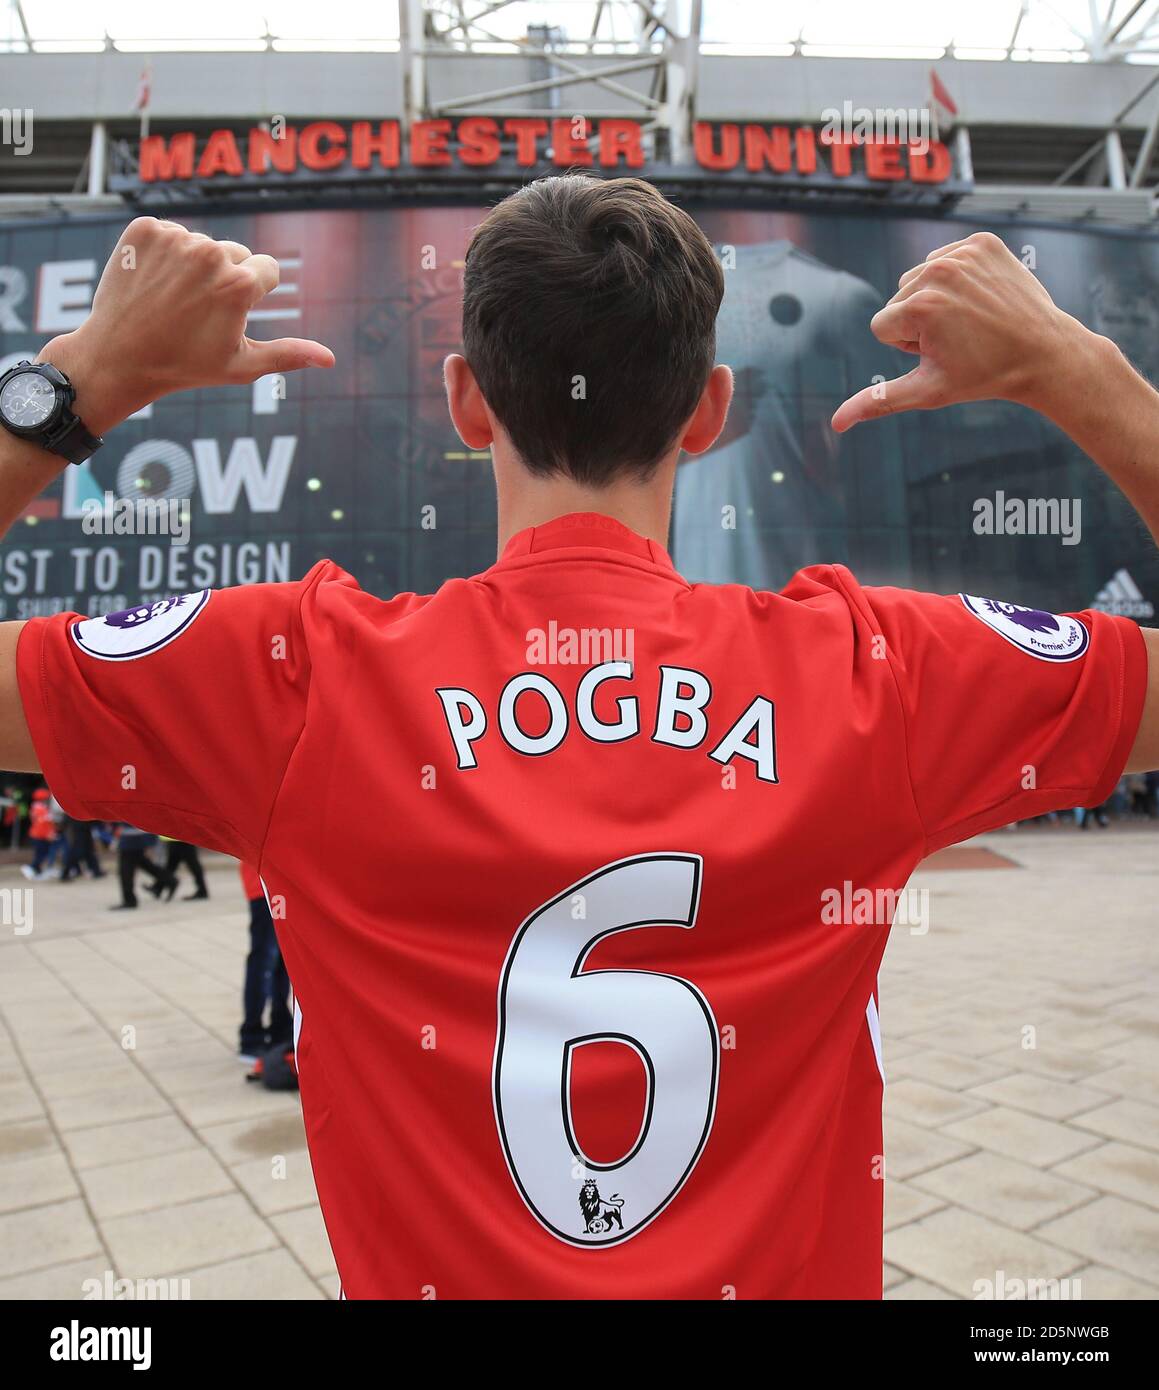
567 148
174 161
220 156
621 138
313 141
365 144
527 133
478 140
883 159
767 149
265 152
704 146
933 167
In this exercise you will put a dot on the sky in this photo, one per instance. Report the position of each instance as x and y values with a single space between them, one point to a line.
1051 30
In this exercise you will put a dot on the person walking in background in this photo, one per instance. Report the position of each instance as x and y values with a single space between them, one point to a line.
1139 793
1093 815
79 850
1153 794
56 853
265 978
180 852
44 834
133 847
15 803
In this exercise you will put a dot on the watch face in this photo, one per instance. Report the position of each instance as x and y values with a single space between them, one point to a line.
27 400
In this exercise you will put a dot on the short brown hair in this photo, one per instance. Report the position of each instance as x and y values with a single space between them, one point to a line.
589 321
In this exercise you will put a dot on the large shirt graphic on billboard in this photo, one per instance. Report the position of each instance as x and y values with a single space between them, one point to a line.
780 488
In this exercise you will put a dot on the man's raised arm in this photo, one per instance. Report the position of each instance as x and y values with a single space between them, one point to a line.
984 328
168 315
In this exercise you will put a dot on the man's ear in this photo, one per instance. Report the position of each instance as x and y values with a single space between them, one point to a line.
469 413
711 412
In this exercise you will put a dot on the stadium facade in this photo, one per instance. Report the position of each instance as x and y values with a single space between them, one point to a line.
820 179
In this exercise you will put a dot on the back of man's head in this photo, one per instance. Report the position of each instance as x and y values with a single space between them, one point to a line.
589 315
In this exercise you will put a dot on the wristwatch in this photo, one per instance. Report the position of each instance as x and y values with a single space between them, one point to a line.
35 404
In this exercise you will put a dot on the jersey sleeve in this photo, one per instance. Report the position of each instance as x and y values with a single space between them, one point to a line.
178 716
1009 711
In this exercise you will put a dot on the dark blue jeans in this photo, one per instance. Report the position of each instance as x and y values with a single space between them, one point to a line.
265 979
43 853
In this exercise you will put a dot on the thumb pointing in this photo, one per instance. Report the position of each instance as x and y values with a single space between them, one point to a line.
914 391
284 355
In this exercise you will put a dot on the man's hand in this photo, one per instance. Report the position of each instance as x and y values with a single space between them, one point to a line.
169 315
984 328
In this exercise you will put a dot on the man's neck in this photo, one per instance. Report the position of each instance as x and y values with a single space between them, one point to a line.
526 501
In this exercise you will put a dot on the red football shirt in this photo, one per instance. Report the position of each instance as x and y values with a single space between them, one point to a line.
251 883
568 863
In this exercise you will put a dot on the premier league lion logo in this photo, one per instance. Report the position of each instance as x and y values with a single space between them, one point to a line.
138 631
1032 619
1047 636
133 617
599 1216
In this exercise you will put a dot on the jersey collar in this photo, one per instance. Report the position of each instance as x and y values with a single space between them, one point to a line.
585 530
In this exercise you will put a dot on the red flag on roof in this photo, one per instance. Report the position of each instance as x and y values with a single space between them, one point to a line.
144 88
941 97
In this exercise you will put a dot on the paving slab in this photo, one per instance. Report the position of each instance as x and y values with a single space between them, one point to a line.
1004 1190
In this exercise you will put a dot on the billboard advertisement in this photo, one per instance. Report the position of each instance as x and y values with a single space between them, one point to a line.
361 464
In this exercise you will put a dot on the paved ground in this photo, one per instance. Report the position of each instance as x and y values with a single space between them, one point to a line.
1022 1110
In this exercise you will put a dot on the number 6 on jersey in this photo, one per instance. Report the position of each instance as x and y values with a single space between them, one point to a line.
549 1006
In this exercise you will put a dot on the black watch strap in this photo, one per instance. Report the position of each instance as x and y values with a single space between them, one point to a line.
71 440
